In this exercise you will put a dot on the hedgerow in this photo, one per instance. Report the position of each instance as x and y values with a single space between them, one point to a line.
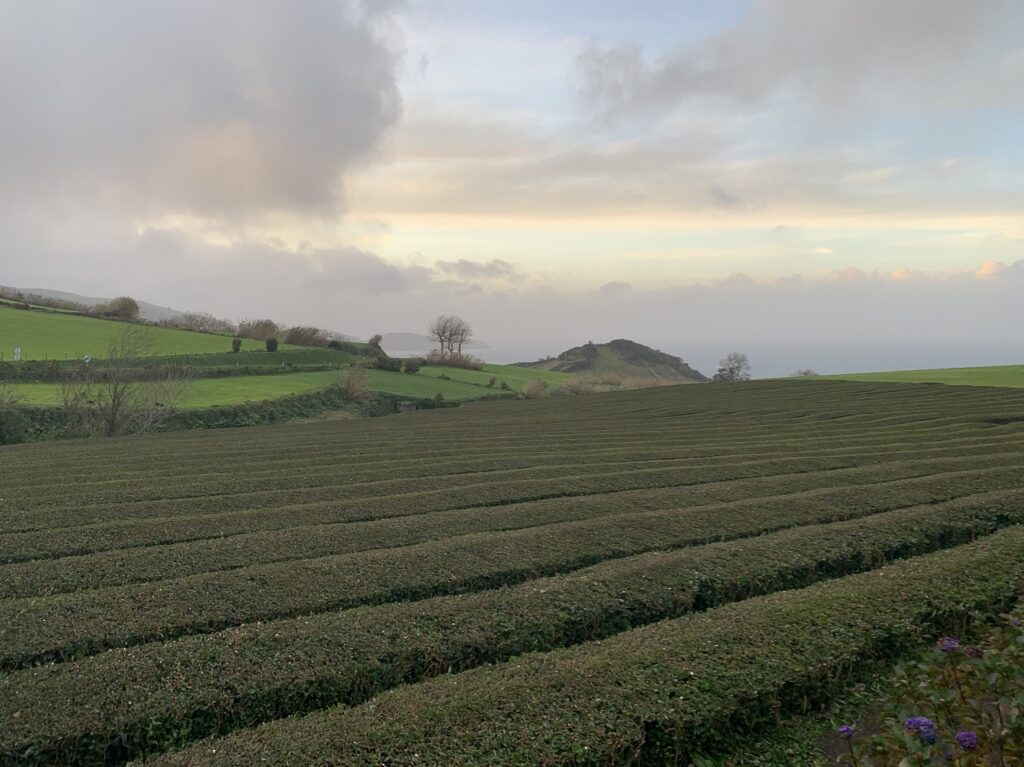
653 695
228 514
85 622
284 667
130 565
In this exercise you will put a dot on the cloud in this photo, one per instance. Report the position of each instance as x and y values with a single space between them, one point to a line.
470 270
842 54
225 109
615 288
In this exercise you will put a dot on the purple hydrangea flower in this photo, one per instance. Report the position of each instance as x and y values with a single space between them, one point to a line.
846 731
948 644
967 740
923 727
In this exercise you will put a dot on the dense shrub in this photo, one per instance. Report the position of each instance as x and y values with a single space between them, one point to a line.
657 694
464 361
412 366
307 335
123 308
14 424
356 383
259 330
236 345
388 363
961 700
535 389
201 322
271 344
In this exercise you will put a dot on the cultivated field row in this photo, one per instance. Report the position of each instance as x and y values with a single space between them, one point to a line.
199 584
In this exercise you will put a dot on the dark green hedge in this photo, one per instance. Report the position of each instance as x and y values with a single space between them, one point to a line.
654 695
86 622
138 561
146 699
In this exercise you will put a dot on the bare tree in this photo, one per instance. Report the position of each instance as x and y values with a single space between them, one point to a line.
733 367
439 331
125 397
461 333
76 400
451 333
804 373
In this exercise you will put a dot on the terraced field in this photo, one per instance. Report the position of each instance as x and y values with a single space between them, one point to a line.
624 578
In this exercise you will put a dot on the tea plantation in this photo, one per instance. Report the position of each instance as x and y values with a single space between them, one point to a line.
619 578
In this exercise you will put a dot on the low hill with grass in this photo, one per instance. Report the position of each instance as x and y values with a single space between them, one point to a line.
992 375
59 335
620 358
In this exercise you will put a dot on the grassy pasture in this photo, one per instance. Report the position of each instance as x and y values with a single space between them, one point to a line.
210 392
58 336
516 377
994 375
560 581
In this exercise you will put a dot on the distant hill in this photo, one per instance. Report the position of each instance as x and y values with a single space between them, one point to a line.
621 357
147 311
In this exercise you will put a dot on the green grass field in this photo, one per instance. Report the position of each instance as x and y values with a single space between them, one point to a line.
630 577
996 375
209 392
516 377
58 336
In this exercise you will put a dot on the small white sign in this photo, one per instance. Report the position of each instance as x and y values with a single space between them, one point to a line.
17 354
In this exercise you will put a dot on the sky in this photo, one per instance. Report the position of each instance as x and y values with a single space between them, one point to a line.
835 185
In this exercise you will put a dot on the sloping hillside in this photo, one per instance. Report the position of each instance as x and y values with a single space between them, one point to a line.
621 357
147 311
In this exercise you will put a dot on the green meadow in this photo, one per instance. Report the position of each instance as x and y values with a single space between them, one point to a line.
211 392
996 375
60 335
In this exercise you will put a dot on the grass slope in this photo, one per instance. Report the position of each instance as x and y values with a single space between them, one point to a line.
996 375
428 589
620 358
209 392
516 377
57 336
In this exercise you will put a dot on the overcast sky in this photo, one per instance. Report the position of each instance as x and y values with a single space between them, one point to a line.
835 184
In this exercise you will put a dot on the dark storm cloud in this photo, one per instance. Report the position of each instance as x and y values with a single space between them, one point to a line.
224 108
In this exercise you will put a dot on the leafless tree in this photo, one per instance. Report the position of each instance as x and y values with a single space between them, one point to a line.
356 383
439 331
126 399
804 373
461 333
450 332
259 330
76 399
202 322
733 367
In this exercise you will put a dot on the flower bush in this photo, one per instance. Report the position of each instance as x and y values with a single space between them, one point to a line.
961 705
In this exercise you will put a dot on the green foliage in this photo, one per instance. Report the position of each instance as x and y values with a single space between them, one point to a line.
652 695
631 577
620 357
122 308
962 704
412 366
59 336
999 375
388 363
14 422
236 345
271 344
